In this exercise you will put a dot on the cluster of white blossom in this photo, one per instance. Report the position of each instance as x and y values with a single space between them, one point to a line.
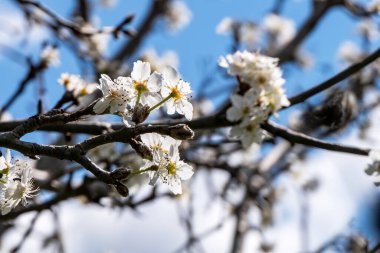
373 169
16 183
264 96
50 56
247 32
124 95
280 30
165 164
159 62
177 15
76 85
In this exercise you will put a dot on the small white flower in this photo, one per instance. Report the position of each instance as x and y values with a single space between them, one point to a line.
116 94
373 169
16 184
177 15
158 63
178 90
243 106
18 188
225 26
368 28
70 82
249 132
261 73
145 85
349 52
281 29
50 56
170 169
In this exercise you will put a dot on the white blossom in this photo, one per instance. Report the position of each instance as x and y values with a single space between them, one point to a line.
243 106
116 94
177 92
349 52
368 28
246 31
50 56
265 96
281 29
374 6
373 169
169 169
146 85
261 73
177 15
16 183
159 62
249 131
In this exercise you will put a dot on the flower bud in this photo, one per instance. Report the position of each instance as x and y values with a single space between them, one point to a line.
120 174
122 189
140 113
181 132
143 150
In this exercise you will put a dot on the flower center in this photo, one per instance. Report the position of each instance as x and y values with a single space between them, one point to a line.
140 86
261 79
246 110
114 93
176 94
171 168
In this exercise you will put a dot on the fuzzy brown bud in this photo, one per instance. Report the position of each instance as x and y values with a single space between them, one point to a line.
181 132
120 174
122 189
140 113
143 150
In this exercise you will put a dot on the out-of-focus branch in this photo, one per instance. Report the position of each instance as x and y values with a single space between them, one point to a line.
299 138
157 9
335 79
320 9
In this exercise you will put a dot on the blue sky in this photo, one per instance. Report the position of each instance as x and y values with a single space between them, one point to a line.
194 44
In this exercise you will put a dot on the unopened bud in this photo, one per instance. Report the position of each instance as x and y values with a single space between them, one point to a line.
140 113
120 174
143 150
122 189
181 132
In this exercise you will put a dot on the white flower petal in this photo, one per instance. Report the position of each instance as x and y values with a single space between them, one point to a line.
170 75
141 71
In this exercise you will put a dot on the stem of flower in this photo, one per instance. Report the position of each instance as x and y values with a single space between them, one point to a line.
151 168
138 98
161 103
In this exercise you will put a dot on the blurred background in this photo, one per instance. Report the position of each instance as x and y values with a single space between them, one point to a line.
309 200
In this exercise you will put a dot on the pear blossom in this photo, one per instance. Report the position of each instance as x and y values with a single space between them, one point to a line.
281 29
146 85
249 131
373 169
368 28
265 96
350 52
50 56
159 62
116 95
261 73
160 146
177 15
18 188
177 92
243 106
16 184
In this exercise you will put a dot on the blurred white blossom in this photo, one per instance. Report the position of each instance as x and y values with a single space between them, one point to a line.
280 29
349 52
159 62
177 15
368 28
16 184
50 56
373 169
